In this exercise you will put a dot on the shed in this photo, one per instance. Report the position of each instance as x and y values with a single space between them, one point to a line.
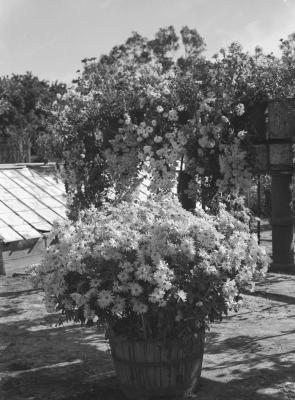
32 197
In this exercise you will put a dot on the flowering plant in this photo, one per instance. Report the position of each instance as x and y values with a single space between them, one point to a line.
141 108
150 269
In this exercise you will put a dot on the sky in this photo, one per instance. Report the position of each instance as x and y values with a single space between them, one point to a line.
50 37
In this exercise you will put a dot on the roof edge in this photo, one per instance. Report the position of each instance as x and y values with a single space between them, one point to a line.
27 165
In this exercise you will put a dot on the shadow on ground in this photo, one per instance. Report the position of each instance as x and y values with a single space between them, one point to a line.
39 362
254 365
249 356
42 360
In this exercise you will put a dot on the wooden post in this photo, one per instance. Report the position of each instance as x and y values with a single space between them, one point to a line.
281 136
2 267
259 209
183 185
282 223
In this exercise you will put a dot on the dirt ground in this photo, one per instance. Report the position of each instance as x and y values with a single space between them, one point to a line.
250 355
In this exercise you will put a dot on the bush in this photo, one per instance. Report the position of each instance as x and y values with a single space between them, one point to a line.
150 270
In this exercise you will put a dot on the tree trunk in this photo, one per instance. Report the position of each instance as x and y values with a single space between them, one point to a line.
186 201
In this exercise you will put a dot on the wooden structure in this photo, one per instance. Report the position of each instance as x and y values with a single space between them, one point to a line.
274 148
151 369
31 199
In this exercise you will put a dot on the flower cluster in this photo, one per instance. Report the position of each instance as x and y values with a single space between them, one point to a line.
150 269
233 161
150 135
165 126
132 119
138 109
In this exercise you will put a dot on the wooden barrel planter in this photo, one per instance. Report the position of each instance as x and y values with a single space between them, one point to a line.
148 370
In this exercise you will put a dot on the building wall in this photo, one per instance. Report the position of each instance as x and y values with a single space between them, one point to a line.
2 270
17 256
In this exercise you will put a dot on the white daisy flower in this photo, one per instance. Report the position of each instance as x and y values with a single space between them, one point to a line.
105 298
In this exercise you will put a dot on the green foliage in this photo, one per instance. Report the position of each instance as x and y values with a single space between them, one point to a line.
162 49
109 125
22 114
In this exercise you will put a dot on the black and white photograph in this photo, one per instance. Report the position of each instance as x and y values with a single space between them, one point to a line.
147 199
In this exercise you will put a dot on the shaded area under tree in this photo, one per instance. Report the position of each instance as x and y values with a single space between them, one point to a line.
249 355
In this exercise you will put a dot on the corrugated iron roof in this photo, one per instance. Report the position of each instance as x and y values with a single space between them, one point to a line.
29 203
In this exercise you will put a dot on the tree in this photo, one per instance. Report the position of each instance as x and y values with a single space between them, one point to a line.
22 112
163 49
142 108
